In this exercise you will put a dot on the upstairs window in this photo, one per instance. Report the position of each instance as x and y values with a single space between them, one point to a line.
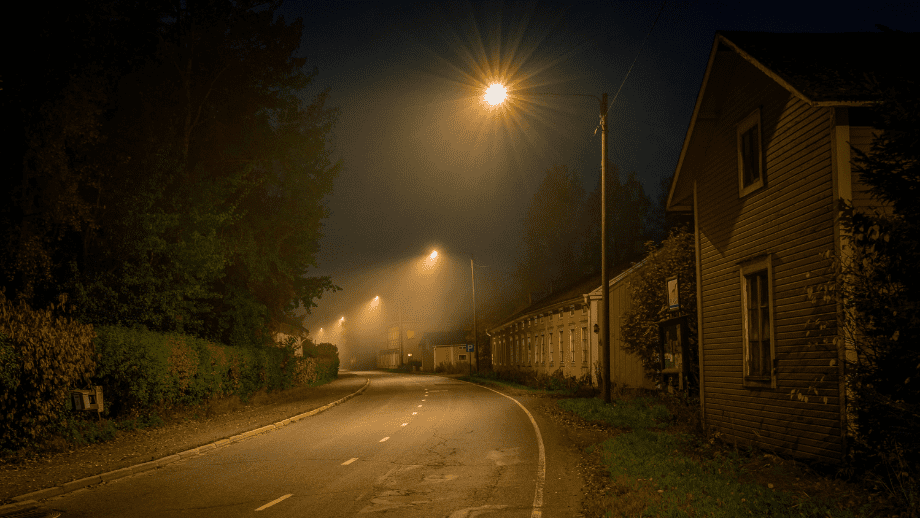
750 155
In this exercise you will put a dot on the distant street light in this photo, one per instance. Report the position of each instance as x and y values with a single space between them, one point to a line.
496 94
431 257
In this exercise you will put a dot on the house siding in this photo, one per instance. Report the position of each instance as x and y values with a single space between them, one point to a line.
791 219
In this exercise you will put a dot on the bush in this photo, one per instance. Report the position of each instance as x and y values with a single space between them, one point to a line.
43 354
142 370
675 256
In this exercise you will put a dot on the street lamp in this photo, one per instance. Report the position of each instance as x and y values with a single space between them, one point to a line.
496 94
428 263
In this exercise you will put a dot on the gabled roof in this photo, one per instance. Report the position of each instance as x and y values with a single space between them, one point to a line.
573 293
820 69
825 69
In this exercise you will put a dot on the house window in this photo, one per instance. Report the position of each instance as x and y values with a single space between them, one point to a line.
550 346
750 154
542 348
572 311
561 351
463 357
529 355
584 344
572 345
757 318
584 309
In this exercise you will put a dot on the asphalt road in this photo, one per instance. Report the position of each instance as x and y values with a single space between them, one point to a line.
409 446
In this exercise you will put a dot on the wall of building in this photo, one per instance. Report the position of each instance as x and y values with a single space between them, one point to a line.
790 220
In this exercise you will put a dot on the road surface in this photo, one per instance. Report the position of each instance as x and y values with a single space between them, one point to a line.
409 446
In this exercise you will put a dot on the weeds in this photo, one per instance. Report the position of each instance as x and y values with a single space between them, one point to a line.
658 471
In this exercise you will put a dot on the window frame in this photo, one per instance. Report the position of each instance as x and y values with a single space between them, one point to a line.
752 120
754 266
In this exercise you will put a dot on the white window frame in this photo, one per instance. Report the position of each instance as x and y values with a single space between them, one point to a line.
757 265
572 344
751 121
584 344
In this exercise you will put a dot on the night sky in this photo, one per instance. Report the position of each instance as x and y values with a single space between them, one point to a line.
425 165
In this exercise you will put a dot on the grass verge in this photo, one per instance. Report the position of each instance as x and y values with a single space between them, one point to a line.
657 471
484 380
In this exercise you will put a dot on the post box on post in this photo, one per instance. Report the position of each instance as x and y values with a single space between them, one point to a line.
87 399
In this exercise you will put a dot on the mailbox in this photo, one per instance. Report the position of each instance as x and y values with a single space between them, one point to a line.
673 336
87 399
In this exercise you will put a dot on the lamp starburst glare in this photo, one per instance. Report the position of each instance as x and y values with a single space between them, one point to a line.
495 94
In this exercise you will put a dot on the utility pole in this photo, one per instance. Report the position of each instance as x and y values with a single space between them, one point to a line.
475 337
605 307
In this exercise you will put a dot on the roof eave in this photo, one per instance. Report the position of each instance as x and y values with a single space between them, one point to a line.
690 128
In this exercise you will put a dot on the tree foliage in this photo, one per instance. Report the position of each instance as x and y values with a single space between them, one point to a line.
879 292
563 228
639 330
170 167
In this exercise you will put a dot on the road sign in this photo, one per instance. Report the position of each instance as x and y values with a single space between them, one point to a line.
469 348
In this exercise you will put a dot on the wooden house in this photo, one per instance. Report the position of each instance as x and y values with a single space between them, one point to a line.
626 369
549 335
765 158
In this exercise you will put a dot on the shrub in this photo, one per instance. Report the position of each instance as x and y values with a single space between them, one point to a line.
43 354
142 370
646 289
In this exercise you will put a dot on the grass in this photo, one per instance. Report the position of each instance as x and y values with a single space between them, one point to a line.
480 378
656 471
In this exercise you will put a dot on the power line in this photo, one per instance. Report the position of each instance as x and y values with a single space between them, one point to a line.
637 56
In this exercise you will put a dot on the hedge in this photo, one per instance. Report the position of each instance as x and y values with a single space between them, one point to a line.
141 370
44 355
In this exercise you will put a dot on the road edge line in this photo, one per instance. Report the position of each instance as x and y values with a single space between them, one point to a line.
537 511
50 492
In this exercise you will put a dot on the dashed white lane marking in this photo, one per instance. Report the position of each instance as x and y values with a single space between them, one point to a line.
414 413
349 461
537 510
404 424
273 502
420 406
384 439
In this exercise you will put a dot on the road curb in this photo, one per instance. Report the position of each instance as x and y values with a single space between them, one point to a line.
22 501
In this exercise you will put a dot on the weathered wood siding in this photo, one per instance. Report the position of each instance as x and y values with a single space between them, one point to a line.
625 368
790 218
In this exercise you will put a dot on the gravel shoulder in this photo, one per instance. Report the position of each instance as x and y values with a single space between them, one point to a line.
182 431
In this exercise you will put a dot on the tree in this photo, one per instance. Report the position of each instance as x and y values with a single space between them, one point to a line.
879 291
195 202
552 234
628 226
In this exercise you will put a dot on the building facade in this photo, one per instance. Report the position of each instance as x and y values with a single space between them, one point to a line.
765 159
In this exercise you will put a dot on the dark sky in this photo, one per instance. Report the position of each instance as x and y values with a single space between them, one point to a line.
425 165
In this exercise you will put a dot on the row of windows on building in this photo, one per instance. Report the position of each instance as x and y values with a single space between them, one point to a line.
546 317
523 351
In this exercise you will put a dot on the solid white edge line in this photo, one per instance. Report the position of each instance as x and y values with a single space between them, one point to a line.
349 461
541 461
273 502
384 439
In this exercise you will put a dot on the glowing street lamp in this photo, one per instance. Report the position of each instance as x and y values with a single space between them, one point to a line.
496 94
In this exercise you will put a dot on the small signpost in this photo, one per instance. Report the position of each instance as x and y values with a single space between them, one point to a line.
470 348
673 335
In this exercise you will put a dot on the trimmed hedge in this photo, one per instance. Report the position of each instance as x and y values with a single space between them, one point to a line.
141 370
